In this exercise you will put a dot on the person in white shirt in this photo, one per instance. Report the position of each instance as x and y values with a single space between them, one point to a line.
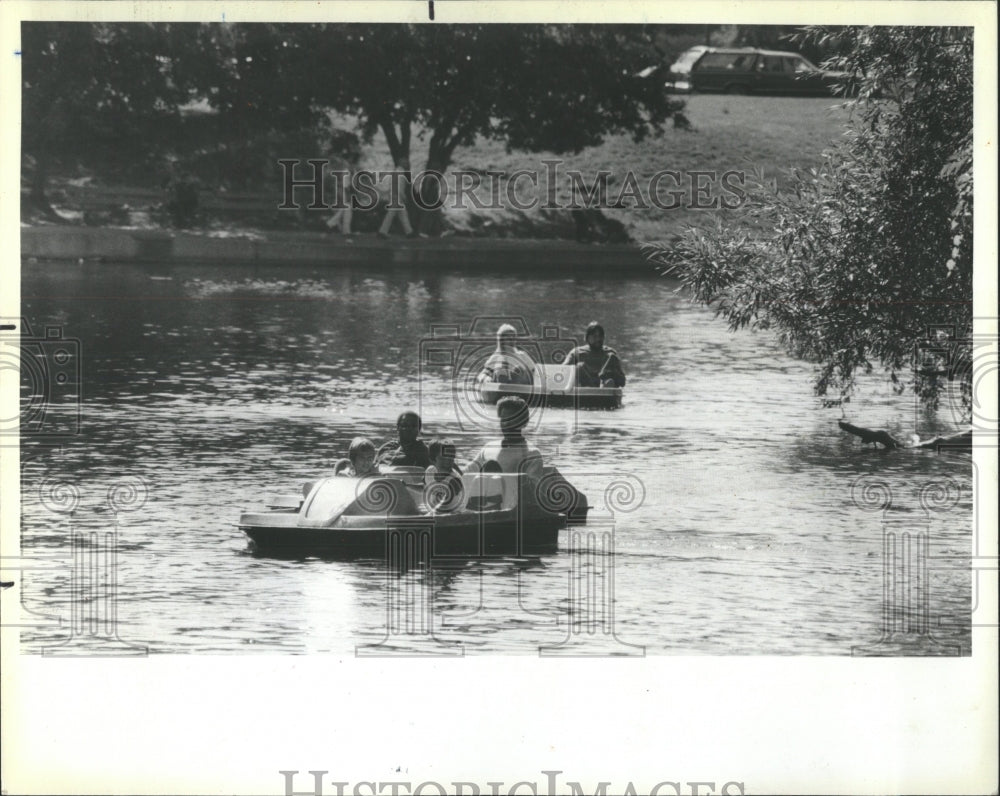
513 452
508 364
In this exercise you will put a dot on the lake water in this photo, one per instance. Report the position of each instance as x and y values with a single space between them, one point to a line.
743 521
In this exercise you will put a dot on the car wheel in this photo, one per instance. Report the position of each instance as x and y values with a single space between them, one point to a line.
738 88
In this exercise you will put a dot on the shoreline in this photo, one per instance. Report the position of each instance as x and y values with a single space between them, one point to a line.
117 245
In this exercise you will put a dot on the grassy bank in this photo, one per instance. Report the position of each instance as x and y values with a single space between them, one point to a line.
728 133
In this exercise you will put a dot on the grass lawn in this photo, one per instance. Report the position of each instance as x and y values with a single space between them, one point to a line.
729 133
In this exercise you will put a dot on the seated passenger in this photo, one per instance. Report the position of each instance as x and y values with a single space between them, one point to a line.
443 489
489 495
360 459
406 450
512 452
360 462
596 366
508 365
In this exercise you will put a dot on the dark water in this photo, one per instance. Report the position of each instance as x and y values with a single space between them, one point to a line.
743 520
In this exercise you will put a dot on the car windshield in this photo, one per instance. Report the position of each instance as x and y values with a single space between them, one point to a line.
732 61
799 64
686 61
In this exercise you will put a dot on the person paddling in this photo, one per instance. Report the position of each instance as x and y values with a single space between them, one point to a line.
596 365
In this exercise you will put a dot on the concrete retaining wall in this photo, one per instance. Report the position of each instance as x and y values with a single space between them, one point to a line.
122 245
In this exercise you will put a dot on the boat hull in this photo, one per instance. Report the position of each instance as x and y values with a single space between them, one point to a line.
387 516
580 397
413 537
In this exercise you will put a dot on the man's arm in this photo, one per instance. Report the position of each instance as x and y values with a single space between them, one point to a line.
386 451
532 465
613 370
571 357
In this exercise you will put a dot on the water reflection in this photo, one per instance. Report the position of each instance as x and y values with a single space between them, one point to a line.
223 385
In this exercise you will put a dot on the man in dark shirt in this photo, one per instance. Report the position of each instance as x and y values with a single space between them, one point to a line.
407 450
596 366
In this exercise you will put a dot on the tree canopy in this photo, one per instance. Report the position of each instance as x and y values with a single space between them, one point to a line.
557 88
867 260
95 91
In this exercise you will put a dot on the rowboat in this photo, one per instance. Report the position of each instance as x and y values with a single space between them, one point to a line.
492 514
552 385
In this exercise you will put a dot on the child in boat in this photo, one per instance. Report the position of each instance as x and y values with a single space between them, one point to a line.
360 462
443 480
360 459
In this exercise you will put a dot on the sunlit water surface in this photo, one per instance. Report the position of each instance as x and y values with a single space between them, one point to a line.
218 386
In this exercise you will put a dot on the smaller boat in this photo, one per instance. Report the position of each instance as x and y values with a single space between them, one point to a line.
552 385
493 514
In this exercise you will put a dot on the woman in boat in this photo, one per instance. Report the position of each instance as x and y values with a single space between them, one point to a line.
508 364
596 366
513 452
406 450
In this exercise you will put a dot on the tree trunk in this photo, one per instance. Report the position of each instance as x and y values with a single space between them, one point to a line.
430 217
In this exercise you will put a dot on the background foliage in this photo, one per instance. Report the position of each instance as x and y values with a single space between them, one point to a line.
866 261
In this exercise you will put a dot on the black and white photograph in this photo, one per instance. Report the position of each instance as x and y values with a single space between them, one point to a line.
442 397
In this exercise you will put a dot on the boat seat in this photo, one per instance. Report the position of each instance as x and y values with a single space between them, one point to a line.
556 378
484 491
491 490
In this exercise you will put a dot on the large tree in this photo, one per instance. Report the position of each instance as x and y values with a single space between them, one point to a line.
95 92
867 261
554 88
558 88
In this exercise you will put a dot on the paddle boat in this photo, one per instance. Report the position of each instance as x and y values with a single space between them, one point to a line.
373 516
552 385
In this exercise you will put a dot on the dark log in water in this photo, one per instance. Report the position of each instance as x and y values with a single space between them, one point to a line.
961 440
870 435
